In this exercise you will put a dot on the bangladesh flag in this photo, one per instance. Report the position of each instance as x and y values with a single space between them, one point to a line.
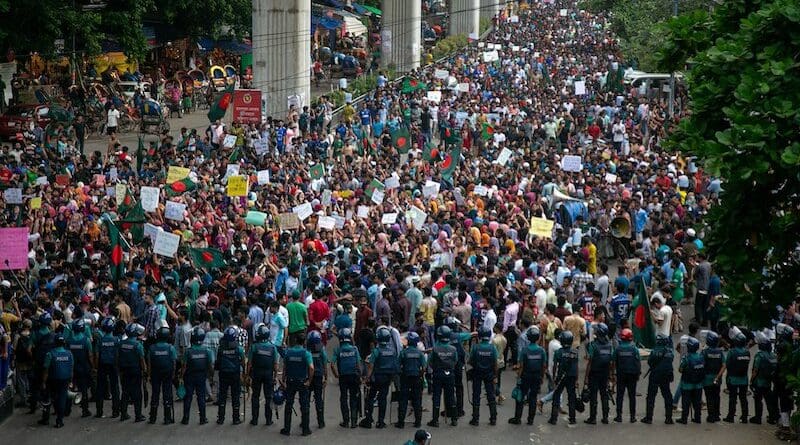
546 74
127 202
487 132
219 109
410 85
372 186
643 331
451 137
317 171
140 154
207 258
401 139
430 152
117 266
450 163
133 220
180 187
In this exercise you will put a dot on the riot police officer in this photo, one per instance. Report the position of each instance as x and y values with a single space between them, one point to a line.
320 379
661 375
533 366
161 366
130 361
628 366
457 339
107 374
262 367
784 351
80 345
382 366
693 372
57 373
198 364
765 366
444 359
713 357
43 342
298 368
737 363
483 360
565 369
412 370
598 370
230 359
345 366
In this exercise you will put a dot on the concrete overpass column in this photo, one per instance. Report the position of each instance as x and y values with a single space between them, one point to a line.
464 17
401 34
490 8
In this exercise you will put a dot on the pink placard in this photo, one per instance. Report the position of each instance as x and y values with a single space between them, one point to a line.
14 248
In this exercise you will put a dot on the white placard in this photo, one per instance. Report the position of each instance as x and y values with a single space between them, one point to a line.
463 87
339 221
392 182
326 198
149 198
363 212
459 197
430 189
434 96
261 146
377 196
166 244
113 174
151 231
174 211
580 87
42 180
441 74
418 217
229 141
326 223
514 48
504 156
231 170
348 214
263 177
303 211
611 178
120 190
389 218
481 190
491 56
13 196
562 13
514 19
571 163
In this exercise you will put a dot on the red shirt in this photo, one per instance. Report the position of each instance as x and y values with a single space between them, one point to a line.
594 131
318 312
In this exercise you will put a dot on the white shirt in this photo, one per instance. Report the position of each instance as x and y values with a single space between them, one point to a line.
665 328
619 132
552 347
490 320
113 117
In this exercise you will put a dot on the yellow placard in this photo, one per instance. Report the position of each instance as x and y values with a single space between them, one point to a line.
175 174
36 203
542 227
237 186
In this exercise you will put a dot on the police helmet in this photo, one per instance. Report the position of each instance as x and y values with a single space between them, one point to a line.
278 397
78 325
163 333
739 339
484 333
314 338
712 339
452 323
59 339
412 338
138 330
663 340
533 334
626 335
601 331
784 331
46 319
346 335
108 324
565 338
383 335
230 333
692 344
198 335
130 330
262 332
443 334
763 342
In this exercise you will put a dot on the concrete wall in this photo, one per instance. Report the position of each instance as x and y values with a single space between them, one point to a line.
401 40
490 8
464 17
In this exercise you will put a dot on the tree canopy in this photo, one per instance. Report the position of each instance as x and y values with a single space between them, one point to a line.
744 85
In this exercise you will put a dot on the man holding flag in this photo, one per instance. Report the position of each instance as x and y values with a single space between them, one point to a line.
642 325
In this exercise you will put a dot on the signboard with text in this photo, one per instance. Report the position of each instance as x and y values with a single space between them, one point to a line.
247 106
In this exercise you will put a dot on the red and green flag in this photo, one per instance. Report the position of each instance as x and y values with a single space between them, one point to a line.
140 154
430 152
117 265
643 330
180 187
127 202
487 132
133 221
401 139
450 163
207 258
451 137
220 107
410 85
317 171
372 186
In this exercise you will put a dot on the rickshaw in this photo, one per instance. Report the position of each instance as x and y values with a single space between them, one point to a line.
186 81
200 90
153 120
230 74
218 78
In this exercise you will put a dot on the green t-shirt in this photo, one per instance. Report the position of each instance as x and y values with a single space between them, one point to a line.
297 316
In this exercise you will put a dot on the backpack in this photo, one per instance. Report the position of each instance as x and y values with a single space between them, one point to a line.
550 333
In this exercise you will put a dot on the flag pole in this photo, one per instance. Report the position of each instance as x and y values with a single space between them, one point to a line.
108 219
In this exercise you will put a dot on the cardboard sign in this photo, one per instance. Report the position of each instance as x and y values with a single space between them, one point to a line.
237 186
326 223
504 156
571 163
256 218
14 248
363 212
377 196
13 196
580 87
288 221
174 211
231 170
481 190
263 177
149 198
166 244
36 203
303 211
175 174
491 56
463 87
430 189
42 180
229 141
611 178
151 231
434 96
120 190
389 218
441 74
261 146
392 182
418 217
542 227
339 221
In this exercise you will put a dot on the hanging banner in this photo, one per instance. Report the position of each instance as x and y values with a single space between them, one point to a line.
247 106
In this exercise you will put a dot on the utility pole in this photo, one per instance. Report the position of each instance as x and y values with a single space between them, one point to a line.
672 74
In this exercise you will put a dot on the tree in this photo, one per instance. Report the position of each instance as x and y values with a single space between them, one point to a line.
744 86
207 18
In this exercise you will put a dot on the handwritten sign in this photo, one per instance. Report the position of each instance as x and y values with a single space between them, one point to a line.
231 170
363 212
13 196
491 56
36 203
149 198
441 74
481 190
463 87
288 221
418 217
339 221
430 189
175 174
580 87
174 211
326 223
389 218
237 186
166 244
611 178
120 190
326 197
229 141
434 96
571 163
392 182
542 227
377 196
14 248
256 218
303 211
151 231
504 156
263 177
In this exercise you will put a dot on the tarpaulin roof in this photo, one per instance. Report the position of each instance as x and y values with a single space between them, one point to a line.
233 46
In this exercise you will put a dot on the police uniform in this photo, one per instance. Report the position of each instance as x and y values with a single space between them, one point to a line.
661 375
130 353
483 360
532 359
600 353
786 360
197 366
444 359
230 358
457 339
347 360
737 363
59 364
107 374
320 359
765 367
385 365
566 371
43 342
262 358
296 361
412 369
80 346
628 366
693 372
162 357
713 358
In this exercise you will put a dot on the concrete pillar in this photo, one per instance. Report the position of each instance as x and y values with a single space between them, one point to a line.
465 17
282 52
401 34
490 8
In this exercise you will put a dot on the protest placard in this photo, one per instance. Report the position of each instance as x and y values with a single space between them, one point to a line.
149 198
542 227
13 196
303 211
571 163
363 212
377 197
263 177
175 174
229 141
174 211
288 221
255 218
237 185
14 248
166 244
389 218
326 223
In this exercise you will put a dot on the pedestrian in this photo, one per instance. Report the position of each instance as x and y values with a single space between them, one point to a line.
161 367
131 364
565 371
532 367
692 370
737 364
230 362
112 119
661 375
382 367
320 379
298 369
262 368
483 361
412 370
57 373
198 365
713 358
107 370
628 367
346 367
599 367
444 359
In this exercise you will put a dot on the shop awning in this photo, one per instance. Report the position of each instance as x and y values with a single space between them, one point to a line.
352 23
372 9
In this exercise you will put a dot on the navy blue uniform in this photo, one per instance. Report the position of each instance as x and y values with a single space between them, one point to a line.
162 357
296 360
230 358
566 372
262 358
107 374
347 360
444 360
628 364
197 362
412 369
600 354
661 375
385 365
532 360
130 354
58 363
81 347
483 360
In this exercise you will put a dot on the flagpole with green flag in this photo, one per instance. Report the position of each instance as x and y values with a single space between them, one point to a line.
140 154
642 324
220 107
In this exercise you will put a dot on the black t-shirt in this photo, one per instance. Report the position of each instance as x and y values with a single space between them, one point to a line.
366 339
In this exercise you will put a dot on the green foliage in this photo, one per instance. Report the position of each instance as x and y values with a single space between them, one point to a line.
449 44
360 85
745 96
485 23
195 18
